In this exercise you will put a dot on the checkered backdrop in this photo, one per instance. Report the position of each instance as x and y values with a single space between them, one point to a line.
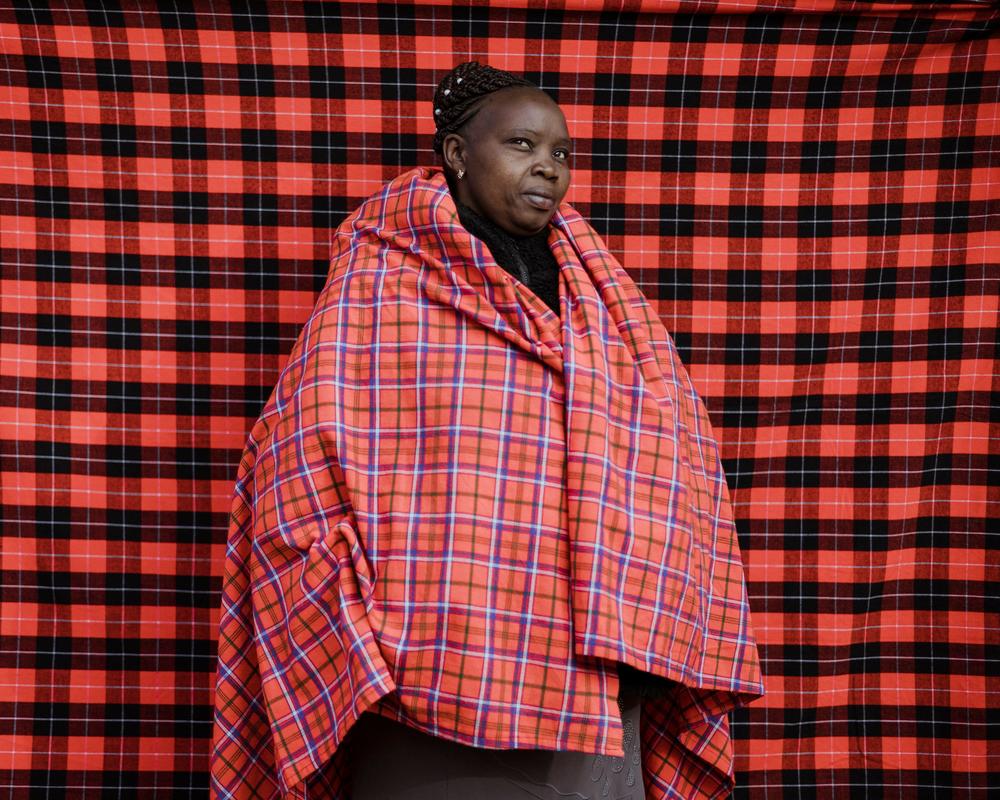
808 191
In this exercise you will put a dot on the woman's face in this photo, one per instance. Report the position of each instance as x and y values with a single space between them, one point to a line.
515 153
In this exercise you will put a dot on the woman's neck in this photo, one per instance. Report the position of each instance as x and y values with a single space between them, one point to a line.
473 219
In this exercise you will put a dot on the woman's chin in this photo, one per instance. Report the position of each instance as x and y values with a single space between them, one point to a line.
528 224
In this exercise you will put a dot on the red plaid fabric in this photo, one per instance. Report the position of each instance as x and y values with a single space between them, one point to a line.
806 191
458 498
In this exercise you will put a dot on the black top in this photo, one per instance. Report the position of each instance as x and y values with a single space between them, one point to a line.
527 258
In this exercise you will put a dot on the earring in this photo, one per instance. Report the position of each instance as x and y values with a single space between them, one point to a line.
461 174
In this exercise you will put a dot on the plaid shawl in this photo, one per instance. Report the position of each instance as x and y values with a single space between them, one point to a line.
463 509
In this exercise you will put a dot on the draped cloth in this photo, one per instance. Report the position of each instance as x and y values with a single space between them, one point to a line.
459 510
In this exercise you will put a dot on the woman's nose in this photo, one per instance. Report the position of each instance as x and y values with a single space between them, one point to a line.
546 167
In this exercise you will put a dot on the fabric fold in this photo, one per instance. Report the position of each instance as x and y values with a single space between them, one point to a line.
459 510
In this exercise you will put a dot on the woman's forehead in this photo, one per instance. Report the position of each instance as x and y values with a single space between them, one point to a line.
523 107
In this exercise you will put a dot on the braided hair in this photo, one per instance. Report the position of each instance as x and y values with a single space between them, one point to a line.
457 97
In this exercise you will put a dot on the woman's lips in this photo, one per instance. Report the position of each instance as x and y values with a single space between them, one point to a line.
540 201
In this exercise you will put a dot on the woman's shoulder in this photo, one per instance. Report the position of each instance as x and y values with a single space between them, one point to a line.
407 202
409 222
414 183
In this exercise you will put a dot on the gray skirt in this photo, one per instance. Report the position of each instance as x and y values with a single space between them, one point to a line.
390 761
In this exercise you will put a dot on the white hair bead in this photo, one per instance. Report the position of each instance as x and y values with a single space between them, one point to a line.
437 111
447 92
458 80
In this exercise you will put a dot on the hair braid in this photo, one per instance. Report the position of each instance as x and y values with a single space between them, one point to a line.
458 93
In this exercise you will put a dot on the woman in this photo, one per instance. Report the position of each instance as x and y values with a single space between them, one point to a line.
482 512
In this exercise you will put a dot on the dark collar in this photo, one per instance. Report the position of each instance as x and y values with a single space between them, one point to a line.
527 258
502 246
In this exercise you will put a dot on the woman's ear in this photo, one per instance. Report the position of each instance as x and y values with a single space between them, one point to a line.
453 151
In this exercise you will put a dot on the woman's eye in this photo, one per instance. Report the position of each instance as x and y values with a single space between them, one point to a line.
522 143
562 155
